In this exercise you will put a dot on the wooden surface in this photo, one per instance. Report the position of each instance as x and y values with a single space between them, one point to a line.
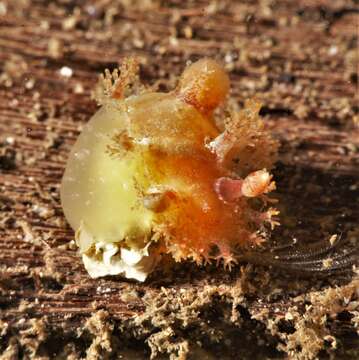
299 58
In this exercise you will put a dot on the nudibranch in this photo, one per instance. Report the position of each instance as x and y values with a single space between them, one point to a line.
155 173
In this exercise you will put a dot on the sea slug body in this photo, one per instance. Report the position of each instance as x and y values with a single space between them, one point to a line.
153 174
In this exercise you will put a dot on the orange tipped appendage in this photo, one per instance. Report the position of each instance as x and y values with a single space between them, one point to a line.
204 84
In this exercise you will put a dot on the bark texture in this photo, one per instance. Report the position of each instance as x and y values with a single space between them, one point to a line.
299 58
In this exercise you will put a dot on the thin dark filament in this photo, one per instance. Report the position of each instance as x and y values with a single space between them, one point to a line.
319 258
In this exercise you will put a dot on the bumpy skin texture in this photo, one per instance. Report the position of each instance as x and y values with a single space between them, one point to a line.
153 174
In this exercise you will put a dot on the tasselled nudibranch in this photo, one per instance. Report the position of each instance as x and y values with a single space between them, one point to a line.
154 173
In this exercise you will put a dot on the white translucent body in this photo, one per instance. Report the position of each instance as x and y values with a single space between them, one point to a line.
102 195
141 180
98 191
